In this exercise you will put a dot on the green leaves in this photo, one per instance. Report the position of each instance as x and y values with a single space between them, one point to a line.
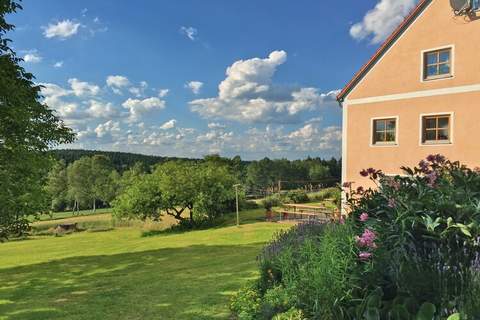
426 312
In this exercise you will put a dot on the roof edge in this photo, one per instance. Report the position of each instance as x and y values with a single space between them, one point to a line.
387 44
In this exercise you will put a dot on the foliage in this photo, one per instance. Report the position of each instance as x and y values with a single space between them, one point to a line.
140 200
27 129
292 314
308 268
191 193
265 174
57 186
245 303
425 242
271 201
297 196
92 179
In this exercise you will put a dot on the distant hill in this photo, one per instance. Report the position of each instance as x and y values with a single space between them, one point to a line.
120 160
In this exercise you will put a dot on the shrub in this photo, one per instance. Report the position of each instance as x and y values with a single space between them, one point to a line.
271 201
245 304
276 300
328 193
297 196
420 234
292 314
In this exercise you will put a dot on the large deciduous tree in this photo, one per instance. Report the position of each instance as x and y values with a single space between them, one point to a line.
57 186
28 128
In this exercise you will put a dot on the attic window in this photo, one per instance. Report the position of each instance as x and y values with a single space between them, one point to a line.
437 64
476 4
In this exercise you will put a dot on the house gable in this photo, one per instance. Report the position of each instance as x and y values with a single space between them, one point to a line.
397 67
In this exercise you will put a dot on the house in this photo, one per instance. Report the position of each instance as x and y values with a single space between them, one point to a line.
418 95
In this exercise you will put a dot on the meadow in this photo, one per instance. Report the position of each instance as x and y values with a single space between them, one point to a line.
122 274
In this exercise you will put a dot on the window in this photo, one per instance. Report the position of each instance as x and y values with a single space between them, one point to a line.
436 129
476 4
384 131
437 64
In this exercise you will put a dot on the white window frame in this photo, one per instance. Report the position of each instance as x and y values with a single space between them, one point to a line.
384 144
423 53
451 126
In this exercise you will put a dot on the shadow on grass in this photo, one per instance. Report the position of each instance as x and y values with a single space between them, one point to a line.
177 283
227 220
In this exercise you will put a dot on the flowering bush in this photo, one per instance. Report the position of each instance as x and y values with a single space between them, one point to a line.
418 234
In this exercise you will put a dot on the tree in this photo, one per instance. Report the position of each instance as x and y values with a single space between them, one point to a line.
57 186
80 182
142 199
204 190
92 179
215 194
27 129
177 180
102 179
318 172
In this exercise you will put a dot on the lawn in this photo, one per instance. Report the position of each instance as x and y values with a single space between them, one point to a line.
119 274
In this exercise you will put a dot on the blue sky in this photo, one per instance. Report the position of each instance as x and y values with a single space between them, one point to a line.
189 77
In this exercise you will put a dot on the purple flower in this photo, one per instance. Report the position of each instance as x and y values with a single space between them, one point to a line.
392 203
364 256
364 173
347 184
360 189
364 217
432 178
423 166
431 158
341 220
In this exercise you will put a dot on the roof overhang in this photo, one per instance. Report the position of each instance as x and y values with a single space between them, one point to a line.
387 44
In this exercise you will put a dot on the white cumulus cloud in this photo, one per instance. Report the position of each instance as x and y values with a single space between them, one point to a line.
379 22
138 107
63 29
117 81
99 109
194 86
58 64
82 88
248 95
169 124
32 57
163 92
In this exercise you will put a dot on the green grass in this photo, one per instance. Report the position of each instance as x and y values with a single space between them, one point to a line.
68 214
121 275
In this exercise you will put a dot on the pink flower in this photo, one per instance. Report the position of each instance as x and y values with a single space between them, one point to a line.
367 239
392 203
364 256
341 220
364 217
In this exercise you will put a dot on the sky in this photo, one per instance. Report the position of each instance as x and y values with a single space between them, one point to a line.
189 78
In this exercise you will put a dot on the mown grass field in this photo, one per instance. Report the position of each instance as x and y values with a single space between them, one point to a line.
119 274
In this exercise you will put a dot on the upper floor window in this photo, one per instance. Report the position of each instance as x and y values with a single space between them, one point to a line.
437 64
476 4
436 129
384 131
